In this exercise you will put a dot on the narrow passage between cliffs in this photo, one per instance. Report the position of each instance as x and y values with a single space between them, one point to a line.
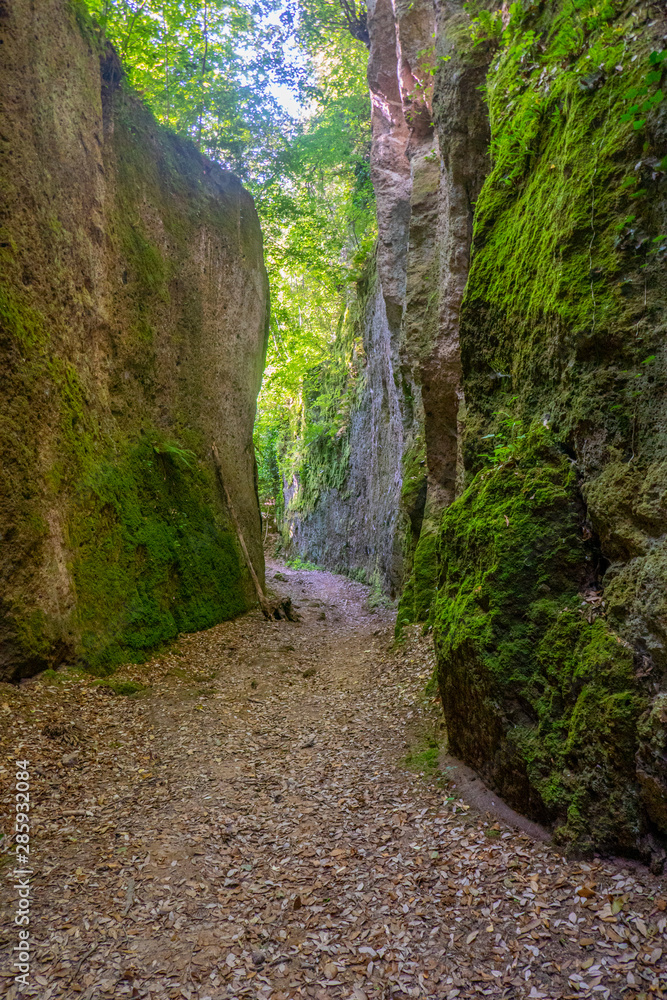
266 819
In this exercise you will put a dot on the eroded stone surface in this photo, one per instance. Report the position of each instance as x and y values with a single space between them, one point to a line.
133 304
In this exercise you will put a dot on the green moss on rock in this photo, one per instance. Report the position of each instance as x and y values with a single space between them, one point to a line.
122 359
152 555
651 760
20 321
416 603
551 619
419 541
538 691
565 261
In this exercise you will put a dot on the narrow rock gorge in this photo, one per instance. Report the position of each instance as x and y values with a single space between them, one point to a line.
493 458
133 317
514 361
422 751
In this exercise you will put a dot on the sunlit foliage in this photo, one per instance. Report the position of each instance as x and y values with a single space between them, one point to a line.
205 66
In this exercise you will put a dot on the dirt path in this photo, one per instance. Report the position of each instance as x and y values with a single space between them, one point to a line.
247 827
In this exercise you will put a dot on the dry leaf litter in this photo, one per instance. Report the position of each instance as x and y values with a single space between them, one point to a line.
247 826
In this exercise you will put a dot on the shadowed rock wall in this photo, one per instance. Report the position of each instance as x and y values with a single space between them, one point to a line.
357 528
369 526
362 528
427 166
133 313
550 619
521 215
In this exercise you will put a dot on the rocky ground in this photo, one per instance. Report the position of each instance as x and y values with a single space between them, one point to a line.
266 818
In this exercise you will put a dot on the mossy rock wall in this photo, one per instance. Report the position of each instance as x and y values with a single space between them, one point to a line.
343 503
538 687
552 610
133 316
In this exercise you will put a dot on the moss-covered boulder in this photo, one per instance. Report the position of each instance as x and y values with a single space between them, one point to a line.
539 690
133 314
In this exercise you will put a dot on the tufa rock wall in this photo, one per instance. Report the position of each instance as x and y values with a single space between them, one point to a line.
368 525
520 163
427 165
356 525
133 313
550 619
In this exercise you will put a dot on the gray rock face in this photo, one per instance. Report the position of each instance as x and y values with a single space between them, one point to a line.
364 527
359 528
390 165
463 132
425 179
133 315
